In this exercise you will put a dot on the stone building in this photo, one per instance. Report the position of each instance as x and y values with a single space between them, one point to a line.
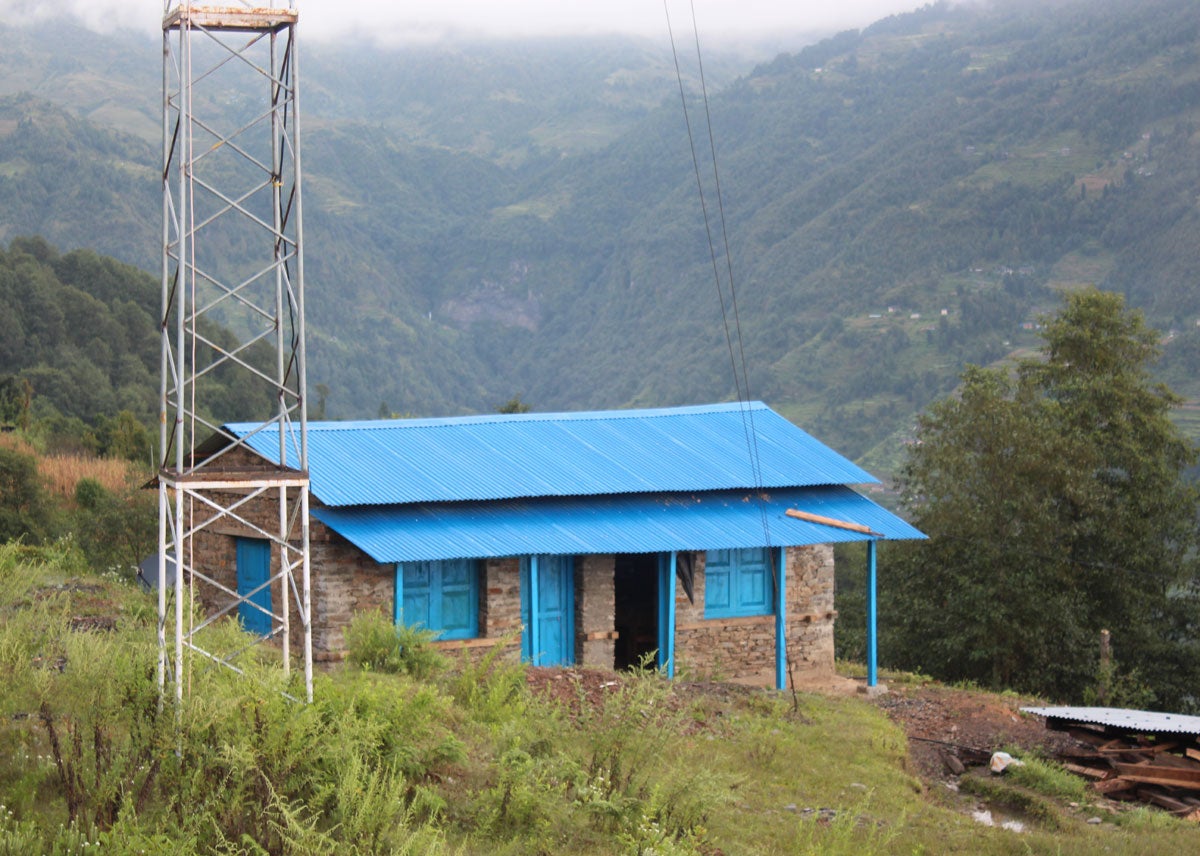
698 538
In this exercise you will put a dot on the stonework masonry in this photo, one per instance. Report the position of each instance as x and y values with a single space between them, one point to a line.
743 649
595 601
346 582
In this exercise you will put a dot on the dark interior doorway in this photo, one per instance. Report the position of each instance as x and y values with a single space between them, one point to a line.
635 616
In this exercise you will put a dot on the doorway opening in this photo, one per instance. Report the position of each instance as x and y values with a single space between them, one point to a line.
635 618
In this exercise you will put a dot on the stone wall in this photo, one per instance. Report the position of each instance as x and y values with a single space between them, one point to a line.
743 649
345 582
595 601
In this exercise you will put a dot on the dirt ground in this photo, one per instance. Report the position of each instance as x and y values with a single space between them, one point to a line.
968 725
938 720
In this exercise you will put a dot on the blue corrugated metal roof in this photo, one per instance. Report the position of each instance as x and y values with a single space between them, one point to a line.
498 456
626 523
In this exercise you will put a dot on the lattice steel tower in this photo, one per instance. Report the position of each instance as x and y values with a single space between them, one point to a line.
232 333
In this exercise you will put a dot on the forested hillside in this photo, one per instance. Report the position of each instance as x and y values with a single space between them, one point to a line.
899 201
79 350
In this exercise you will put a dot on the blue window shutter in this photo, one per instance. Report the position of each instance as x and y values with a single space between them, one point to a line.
459 618
415 608
754 583
440 596
717 583
738 583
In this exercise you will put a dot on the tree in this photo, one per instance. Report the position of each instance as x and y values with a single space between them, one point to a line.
16 394
25 511
123 436
513 405
1056 505
114 529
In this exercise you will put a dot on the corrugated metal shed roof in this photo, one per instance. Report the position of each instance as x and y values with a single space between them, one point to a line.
498 456
626 523
1131 721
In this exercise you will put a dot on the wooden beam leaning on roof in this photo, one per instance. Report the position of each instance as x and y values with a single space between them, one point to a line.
829 521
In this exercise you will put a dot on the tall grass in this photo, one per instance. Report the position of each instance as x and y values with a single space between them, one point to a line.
464 759
62 472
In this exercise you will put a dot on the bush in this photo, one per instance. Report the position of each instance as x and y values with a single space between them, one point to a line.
375 643
492 689
115 529
25 510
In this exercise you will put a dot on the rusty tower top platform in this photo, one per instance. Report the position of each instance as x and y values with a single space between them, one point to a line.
238 18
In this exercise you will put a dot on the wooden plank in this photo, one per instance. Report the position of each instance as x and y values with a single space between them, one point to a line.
1184 809
829 521
1155 774
1113 786
1163 801
1193 753
1179 762
1112 747
1087 772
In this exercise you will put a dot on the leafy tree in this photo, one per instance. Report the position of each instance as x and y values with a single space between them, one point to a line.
1056 505
513 405
25 511
115 529
15 396
123 436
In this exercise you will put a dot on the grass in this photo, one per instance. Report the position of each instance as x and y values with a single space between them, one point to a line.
465 759
61 473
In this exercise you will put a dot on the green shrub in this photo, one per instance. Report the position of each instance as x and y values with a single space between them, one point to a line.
373 642
25 509
115 529
633 772
492 689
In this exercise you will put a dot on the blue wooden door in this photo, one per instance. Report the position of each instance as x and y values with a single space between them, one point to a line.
549 583
253 570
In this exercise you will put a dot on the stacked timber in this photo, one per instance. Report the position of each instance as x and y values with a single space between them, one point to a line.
1134 755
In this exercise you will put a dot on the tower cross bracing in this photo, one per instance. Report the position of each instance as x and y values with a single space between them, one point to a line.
232 333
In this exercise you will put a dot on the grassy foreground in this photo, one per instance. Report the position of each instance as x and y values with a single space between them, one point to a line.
403 752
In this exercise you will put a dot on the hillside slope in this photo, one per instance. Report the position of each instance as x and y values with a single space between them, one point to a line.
898 201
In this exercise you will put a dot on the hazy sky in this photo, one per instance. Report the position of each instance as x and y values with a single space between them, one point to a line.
401 20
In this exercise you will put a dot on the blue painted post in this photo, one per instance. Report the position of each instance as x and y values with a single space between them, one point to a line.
668 591
780 620
398 608
872 642
661 655
534 640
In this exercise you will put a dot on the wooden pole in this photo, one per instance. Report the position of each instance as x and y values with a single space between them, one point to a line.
829 521
1105 666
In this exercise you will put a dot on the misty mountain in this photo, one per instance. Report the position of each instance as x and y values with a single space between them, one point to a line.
506 218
